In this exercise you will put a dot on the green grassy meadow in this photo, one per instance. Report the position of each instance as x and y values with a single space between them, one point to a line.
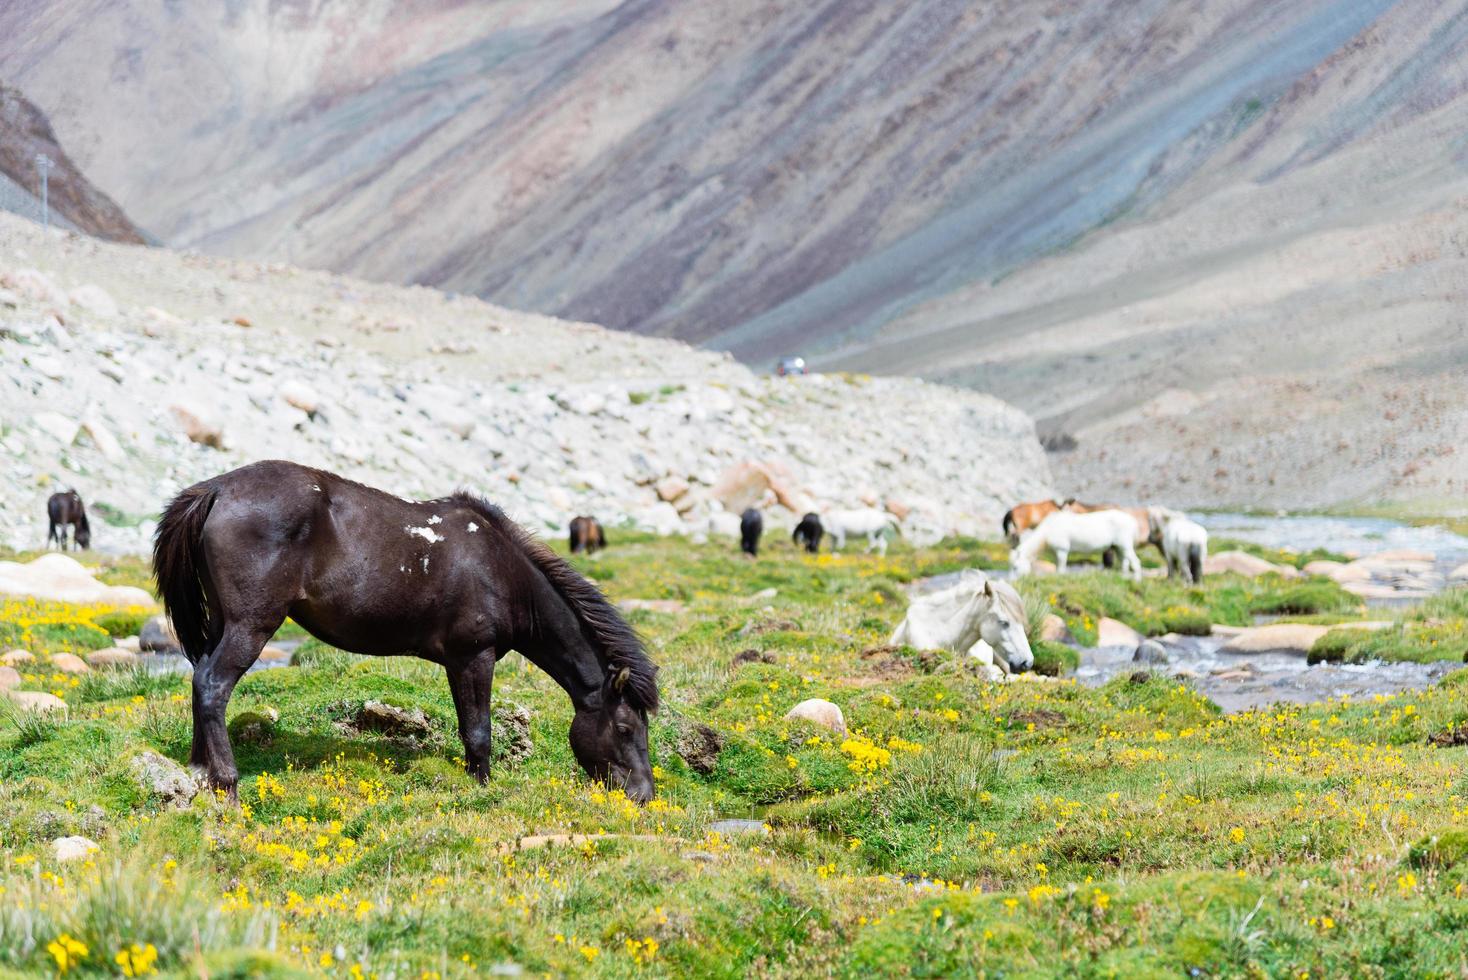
960 828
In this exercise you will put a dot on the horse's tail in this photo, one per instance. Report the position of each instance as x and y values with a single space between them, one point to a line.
179 567
1011 530
895 524
1195 561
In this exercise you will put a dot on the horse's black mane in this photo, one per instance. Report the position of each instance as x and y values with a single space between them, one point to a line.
603 625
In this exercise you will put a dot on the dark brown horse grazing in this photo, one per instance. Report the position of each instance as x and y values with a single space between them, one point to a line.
586 535
809 532
452 580
65 509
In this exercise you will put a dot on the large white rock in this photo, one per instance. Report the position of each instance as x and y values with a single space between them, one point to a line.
818 711
60 578
57 426
1296 638
1114 633
1459 574
39 702
1243 563
73 848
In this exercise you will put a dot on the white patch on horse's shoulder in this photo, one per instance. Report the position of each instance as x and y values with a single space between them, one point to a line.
435 519
426 533
316 488
425 564
403 568
473 528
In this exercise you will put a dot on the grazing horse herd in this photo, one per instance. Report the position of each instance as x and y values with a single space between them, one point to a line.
456 582
1065 526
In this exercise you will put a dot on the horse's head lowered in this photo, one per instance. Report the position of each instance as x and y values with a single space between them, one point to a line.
609 736
1003 626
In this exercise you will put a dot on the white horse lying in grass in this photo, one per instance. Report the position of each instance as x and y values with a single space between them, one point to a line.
1184 542
875 524
978 616
1064 532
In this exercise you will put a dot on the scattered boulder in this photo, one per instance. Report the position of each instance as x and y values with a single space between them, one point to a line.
1114 633
271 654
198 430
58 427
9 677
1451 736
100 436
69 663
510 732
254 726
1459 574
164 778
1219 629
670 488
73 848
1243 563
17 658
819 711
1323 566
752 656
389 719
61 578
38 702
699 746
1150 652
300 395
1295 638
111 657
1054 630
157 636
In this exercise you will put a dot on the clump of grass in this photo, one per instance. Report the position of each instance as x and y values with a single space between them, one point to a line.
1054 659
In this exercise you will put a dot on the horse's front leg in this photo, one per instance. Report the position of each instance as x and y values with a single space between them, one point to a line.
471 681
1060 558
214 680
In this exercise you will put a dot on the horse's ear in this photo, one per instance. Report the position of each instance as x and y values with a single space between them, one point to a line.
988 588
619 679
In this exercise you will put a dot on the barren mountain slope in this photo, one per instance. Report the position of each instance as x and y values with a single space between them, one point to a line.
130 372
25 133
1076 206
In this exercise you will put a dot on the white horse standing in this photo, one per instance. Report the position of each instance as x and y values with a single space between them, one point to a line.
875 524
978 616
1184 542
1064 532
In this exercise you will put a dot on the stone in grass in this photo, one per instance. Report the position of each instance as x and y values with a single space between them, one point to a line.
1150 652
68 663
699 746
157 636
111 657
73 848
164 778
389 719
17 658
39 702
9 677
819 711
509 733
254 726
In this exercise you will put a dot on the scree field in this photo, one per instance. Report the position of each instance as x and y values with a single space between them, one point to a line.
958 828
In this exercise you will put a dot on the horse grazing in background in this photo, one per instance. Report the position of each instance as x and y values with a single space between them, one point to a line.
1065 531
65 509
751 526
453 581
808 533
873 523
1184 542
1021 517
587 535
977 616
